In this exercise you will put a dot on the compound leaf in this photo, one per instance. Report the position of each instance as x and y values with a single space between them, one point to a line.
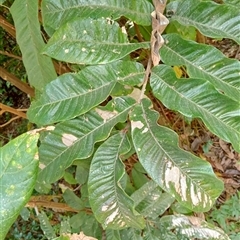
88 41
188 178
18 172
197 98
112 207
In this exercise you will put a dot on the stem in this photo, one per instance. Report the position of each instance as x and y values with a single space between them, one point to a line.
145 81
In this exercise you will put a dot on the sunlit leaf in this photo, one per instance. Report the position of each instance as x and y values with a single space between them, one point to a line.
73 94
211 19
203 61
58 12
88 41
192 227
112 207
39 68
76 138
188 178
18 172
197 98
150 200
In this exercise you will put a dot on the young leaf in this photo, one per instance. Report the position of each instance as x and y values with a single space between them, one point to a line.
18 172
76 138
203 61
192 227
188 178
112 207
211 19
88 41
72 200
39 68
150 200
56 13
73 94
197 98
46 226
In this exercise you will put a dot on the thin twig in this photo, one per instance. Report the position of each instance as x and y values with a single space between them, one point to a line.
145 81
7 76
10 55
8 122
138 33
6 108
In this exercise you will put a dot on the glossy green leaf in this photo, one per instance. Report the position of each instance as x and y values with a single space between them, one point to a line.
203 61
188 227
112 207
188 178
131 233
88 41
76 138
18 172
211 19
113 234
150 200
235 3
57 12
197 98
39 68
151 232
73 94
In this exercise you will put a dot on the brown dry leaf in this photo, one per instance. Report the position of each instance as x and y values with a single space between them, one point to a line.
80 236
226 149
159 23
195 221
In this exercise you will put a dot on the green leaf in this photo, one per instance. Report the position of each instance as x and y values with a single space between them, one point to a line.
131 233
39 68
73 94
112 207
82 171
56 13
197 98
76 138
46 226
151 232
138 178
188 178
18 172
113 234
88 41
150 201
234 3
188 32
192 227
72 200
211 19
203 61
